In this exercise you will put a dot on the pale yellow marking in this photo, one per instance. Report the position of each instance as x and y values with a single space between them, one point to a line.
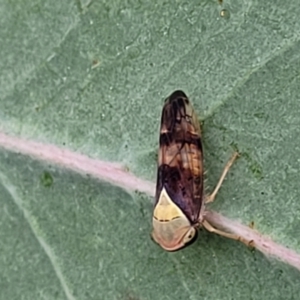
171 228
166 209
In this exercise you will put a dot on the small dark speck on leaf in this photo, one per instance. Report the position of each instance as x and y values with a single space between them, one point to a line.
256 170
95 63
137 192
252 249
280 273
254 166
236 148
225 14
259 115
46 179
126 169
155 155
142 211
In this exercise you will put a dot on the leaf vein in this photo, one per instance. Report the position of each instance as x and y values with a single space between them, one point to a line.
45 247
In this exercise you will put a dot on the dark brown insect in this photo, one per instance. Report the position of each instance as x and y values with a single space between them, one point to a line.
179 202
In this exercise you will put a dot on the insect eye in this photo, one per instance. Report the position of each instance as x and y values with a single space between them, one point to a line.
189 235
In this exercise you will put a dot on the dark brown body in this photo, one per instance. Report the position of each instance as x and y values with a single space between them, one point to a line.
180 161
179 203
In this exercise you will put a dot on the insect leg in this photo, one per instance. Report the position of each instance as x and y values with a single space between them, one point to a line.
232 236
212 196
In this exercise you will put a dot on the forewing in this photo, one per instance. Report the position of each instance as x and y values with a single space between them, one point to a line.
180 162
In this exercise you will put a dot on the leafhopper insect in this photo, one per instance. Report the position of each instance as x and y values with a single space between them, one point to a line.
179 201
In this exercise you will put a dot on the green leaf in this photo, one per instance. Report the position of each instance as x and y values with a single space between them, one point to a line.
91 76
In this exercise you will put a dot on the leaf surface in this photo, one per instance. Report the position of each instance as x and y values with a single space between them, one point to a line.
91 77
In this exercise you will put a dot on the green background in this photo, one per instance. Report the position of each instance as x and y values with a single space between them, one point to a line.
91 76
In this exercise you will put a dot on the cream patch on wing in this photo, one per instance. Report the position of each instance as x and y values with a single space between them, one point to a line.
165 209
169 223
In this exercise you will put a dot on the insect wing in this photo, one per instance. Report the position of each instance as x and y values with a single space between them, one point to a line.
180 162
179 190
